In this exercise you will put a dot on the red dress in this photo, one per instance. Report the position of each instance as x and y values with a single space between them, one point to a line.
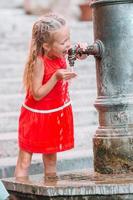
46 126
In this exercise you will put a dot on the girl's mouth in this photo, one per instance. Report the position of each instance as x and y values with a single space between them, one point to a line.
65 52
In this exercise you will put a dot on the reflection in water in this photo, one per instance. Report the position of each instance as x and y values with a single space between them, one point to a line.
12 197
51 180
24 179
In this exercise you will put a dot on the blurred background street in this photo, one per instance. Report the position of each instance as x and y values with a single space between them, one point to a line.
15 32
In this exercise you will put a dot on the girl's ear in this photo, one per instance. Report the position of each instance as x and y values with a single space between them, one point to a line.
46 47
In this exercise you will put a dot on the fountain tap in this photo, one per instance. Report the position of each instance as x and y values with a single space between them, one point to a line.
97 49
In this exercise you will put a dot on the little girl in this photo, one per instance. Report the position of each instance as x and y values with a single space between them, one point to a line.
46 119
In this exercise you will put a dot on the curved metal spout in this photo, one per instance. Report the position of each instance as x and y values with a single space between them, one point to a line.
97 49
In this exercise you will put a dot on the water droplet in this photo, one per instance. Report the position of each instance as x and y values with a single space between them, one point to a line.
62 114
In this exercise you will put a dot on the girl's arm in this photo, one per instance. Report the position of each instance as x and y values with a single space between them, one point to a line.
38 90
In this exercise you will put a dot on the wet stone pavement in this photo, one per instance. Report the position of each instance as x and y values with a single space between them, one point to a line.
73 186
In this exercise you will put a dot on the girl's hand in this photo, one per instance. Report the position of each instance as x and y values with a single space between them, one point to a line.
83 46
62 74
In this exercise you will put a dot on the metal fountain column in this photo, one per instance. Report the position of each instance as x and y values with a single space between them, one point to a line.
113 50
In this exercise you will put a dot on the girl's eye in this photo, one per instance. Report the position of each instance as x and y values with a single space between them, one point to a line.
62 43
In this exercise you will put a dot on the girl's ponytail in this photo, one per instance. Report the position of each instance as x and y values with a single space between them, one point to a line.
28 72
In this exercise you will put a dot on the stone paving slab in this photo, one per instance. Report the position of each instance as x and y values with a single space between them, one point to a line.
81 183
16 86
82 116
11 71
83 141
8 3
79 98
85 70
73 159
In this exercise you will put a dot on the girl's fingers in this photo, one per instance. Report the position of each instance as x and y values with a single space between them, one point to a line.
69 76
82 45
70 73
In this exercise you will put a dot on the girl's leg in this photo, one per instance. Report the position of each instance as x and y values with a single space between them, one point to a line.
50 161
23 163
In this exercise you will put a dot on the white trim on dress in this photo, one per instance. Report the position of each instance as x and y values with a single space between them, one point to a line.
46 111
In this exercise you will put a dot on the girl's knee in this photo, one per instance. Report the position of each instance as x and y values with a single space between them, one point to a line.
50 159
25 163
24 159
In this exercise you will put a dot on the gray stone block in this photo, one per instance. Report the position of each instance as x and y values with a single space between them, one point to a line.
82 116
81 185
9 144
67 161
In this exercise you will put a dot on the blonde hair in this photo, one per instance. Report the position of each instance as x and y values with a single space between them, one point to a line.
41 33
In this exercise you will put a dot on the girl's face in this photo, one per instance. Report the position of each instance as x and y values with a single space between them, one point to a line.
61 43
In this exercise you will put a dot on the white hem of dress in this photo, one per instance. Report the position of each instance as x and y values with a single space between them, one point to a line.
46 111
